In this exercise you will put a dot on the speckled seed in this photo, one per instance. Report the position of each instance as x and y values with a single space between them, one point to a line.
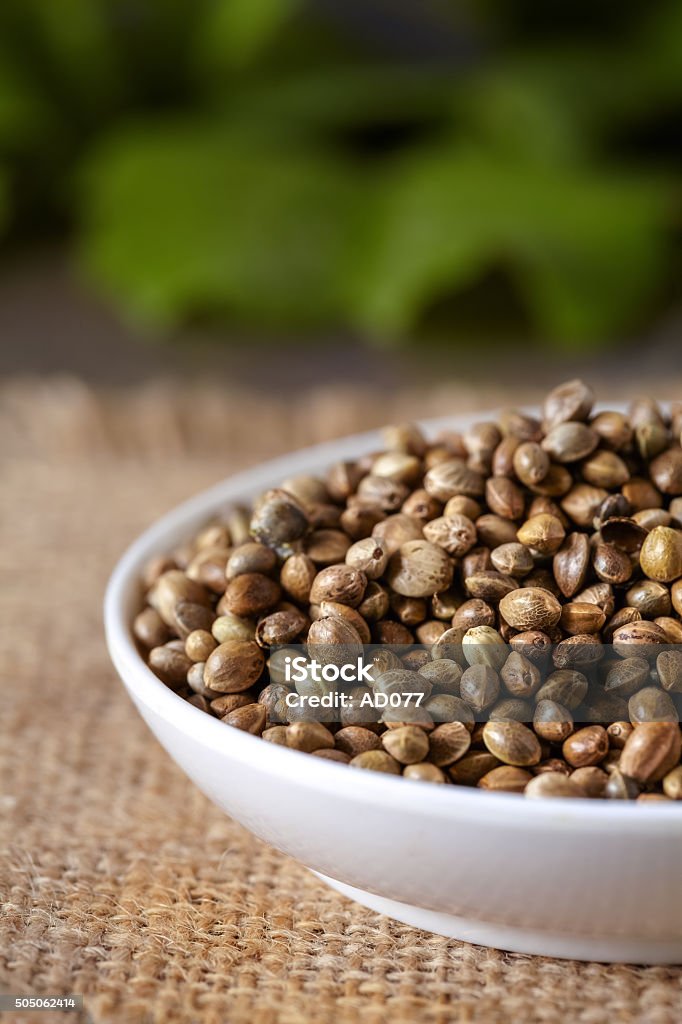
420 569
553 784
443 674
250 718
233 666
552 722
407 744
472 767
448 743
512 742
570 441
627 676
520 676
543 533
479 686
354 740
455 534
669 668
376 761
565 686
530 608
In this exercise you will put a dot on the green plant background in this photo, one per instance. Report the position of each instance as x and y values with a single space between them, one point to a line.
256 162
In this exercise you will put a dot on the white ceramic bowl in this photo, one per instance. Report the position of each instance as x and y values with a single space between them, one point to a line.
570 878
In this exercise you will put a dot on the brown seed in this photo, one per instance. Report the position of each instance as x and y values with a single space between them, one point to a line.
250 557
506 779
354 740
233 666
543 533
489 585
251 594
582 503
627 676
423 772
422 506
460 505
309 736
605 469
638 638
221 706
446 707
623 533
376 761
613 428
671 627
281 627
472 767
512 559
661 554
493 531
407 744
150 629
581 617
669 668
570 441
592 781
369 556
199 645
611 564
512 743
278 519
672 783
572 400
651 599
250 718
327 547
474 612
331 755
651 751
651 705
618 733
520 676
571 563
387 494
455 534
170 663
443 674
587 746
620 786
666 471
231 627
339 583
479 686
552 784
420 569
170 589
530 608
552 722
531 463
512 708
276 734
452 477
504 497
332 609
566 687
448 743
297 575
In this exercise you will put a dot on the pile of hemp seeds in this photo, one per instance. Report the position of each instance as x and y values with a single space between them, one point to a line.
524 576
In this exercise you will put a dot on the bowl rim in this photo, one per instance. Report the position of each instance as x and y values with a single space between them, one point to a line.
377 788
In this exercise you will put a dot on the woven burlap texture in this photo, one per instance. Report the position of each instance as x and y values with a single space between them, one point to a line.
118 879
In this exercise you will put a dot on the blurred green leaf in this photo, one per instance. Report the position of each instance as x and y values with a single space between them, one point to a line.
235 32
187 219
586 250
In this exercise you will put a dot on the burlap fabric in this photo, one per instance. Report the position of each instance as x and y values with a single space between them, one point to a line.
118 879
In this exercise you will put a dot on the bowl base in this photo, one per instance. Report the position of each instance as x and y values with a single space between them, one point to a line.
517 940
